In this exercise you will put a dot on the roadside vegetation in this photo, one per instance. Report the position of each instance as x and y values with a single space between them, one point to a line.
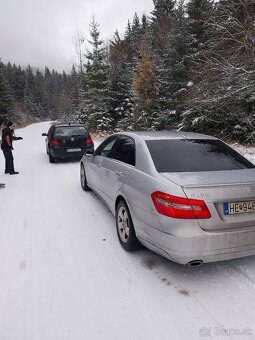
189 65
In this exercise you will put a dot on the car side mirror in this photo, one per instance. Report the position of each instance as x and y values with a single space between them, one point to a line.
44 134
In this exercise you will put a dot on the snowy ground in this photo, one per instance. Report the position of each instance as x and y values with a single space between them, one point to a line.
63 274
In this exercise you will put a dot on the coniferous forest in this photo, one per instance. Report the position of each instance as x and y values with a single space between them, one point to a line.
189 66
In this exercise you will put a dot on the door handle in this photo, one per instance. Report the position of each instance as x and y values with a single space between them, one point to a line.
118 173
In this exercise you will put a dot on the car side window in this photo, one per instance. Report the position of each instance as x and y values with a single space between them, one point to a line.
124 150
105 148
51 131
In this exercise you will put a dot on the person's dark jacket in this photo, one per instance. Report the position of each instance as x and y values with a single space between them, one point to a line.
7 138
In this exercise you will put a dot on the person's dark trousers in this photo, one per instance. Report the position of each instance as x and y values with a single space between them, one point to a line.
9 166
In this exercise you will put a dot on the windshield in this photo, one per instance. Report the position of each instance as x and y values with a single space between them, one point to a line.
193 155
70 131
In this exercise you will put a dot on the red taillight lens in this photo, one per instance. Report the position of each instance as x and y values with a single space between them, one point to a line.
178 207
54 142
89 140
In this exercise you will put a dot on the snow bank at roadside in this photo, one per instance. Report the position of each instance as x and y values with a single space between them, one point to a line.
247 151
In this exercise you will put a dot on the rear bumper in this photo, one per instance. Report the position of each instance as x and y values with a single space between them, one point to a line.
63 153
206 246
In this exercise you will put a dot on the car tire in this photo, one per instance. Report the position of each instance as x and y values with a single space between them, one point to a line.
125 228
52 159
83 178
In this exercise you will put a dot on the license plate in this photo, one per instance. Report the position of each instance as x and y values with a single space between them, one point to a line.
239 207
73 150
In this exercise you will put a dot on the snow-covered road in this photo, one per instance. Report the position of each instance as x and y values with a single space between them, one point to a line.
64 275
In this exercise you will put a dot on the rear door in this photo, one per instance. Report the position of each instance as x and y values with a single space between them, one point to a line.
116 167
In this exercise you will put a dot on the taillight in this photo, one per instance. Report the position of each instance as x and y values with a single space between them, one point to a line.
178 207
89 140
54 142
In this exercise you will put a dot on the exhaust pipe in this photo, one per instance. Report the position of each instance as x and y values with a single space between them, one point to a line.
195 263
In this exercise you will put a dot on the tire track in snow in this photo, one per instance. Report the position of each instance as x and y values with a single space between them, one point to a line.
177 280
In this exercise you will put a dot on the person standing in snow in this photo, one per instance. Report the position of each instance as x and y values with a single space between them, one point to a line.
2 185
6 146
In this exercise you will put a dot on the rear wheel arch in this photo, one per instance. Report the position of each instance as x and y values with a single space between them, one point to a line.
117 201
122 198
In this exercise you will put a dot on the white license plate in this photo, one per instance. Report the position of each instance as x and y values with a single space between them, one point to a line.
73 150
239 207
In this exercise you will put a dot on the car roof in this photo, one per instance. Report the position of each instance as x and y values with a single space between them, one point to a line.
67 124
152 135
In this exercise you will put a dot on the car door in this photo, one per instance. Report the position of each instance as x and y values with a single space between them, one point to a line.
116 168
94 167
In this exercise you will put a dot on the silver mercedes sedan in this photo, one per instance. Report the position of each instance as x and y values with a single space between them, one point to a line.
187 196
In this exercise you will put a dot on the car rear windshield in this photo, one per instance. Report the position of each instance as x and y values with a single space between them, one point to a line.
193 155
70 131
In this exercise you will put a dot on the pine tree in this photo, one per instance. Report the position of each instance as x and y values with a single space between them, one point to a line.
97 97
126 57
128 43
136 37
172 70
145 90
6 99
49 88
19 83
40 95
48 95
199 13
120 82
73 91
162 23
29 92
224 100
162 8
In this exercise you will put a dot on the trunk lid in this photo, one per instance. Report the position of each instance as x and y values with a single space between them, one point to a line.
218 189
72 141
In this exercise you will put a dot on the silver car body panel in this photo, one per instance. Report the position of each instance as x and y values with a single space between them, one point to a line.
217 188
218 238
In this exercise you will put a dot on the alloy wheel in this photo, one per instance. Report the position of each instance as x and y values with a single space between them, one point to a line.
123 224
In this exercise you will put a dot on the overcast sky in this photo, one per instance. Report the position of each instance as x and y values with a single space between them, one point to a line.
41 32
